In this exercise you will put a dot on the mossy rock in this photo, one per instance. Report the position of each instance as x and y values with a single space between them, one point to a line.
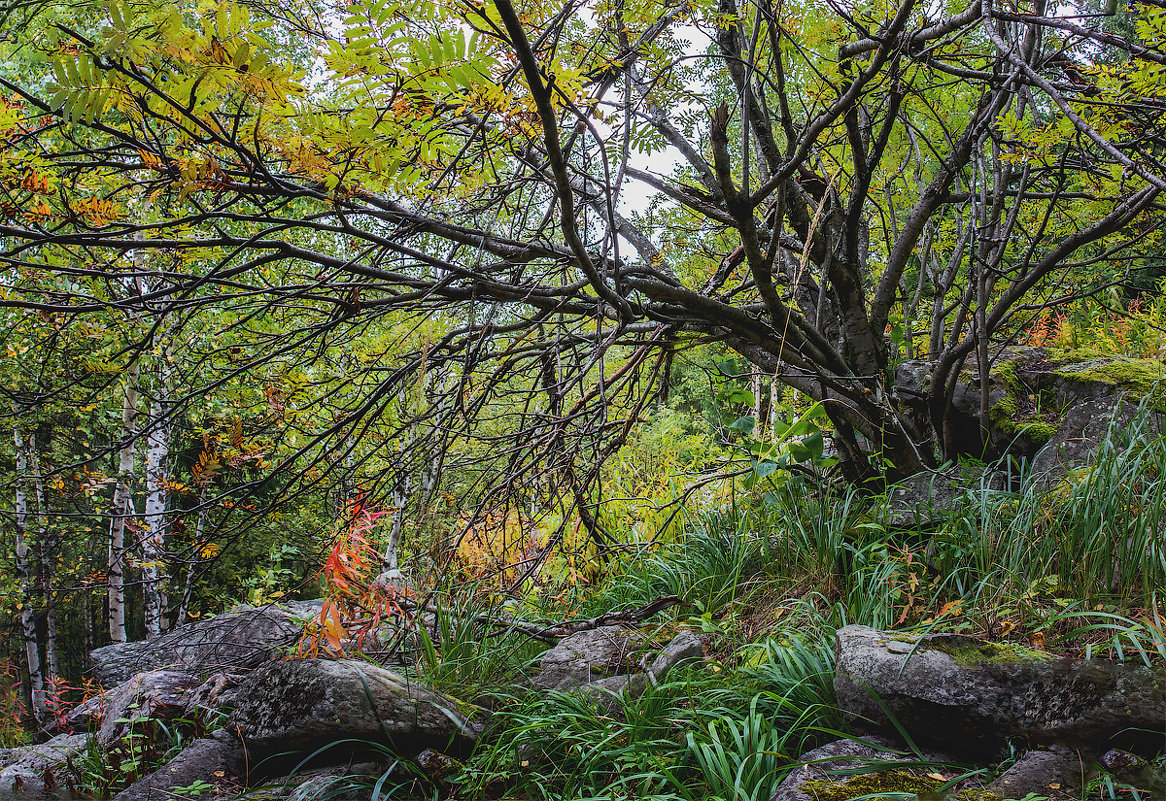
1016 415
1140 378
975 795
1032 392
870 785
970 652
956 693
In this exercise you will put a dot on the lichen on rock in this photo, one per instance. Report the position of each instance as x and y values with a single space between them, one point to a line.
1140 378
970 652
869 785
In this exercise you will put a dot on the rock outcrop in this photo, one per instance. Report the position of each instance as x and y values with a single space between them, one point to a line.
1050 407
217 761
955 691
241 640
304 704
589 656
1042 772
40 772
158 696
612 661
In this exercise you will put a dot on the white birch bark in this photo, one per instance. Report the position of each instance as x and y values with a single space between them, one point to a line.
46 548
153 545
122 509
399 498
24 573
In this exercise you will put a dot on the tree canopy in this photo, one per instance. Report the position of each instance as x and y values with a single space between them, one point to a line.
391 227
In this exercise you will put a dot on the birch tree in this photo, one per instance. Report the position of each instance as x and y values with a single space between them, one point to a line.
25 573
122 512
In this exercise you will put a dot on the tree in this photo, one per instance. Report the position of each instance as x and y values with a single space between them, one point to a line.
856 184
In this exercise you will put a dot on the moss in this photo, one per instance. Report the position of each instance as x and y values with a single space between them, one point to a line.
976 795
871 784
1005 414
1069 355
1140 377
1138 374
969 652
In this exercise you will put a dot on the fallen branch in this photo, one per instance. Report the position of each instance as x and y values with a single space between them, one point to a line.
557 631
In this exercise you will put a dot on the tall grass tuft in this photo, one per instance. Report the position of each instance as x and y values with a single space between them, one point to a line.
740 760
706 568
465 648
1100 531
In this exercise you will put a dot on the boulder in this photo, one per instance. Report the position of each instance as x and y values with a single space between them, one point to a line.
928 498
587 656
304 704
608 692
349 782
1078 438
436 766
40 772
683 649
158 695
1049 407
827 765
216 763
240 640
1042 773
972 695
215 696
612 661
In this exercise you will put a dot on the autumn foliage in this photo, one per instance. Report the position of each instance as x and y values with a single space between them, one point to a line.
356 602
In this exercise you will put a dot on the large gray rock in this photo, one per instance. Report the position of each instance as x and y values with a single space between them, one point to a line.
1042 773
574 664
301 705
1044 405
588 656
1078 438
610 693
214 695
931 497
40 772
158 695
216 763
349 782
957 691
829 763
683 649
243 639
612 662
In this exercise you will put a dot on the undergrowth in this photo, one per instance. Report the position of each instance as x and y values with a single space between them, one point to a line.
1077 565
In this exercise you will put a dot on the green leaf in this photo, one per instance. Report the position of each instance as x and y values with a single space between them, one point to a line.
765 469
744 424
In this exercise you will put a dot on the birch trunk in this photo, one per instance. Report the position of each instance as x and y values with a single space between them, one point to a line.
24 573
122 509
46 549
400 500
157 493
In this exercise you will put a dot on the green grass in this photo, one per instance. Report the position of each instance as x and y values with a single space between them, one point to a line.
466 648
1081 561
